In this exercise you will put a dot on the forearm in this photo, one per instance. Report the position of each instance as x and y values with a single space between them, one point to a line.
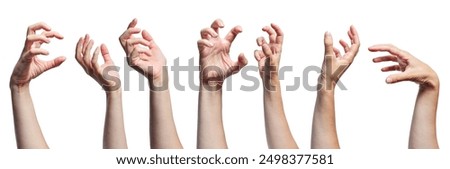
163 132
114 133
210 131
27 129
278 133
324 134
423 125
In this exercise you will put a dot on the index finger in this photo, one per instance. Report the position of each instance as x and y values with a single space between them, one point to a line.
218 23
354 37
132 24
40 25
272 34
386 48
280 34
353 34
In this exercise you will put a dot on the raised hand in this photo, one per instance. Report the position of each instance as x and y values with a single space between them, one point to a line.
324 133
278 133
143 54
29 65
335 64
27 129
269 56
147 58
107 75
215 62
411 68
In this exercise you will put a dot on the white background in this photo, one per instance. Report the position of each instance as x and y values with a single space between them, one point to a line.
373 118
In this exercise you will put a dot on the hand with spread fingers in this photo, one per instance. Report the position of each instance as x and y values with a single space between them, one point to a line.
144 55
423 126
334 63
29 66
215 62
324 134
278 133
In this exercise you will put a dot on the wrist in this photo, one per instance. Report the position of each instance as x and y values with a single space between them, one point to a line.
159 82
271 83
325 84
117 92
431 83
210 86
18 86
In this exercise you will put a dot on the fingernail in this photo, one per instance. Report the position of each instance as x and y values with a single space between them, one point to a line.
389 80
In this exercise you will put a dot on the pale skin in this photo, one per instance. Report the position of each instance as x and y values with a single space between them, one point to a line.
215 66
324 133
144 55
107 76
29 66
423 126
278 133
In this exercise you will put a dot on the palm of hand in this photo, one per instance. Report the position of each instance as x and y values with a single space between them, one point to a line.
28 69
271 62
152 65
111 70
217 59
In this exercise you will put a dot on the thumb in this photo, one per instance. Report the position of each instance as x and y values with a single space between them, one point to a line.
398 77
54 63
328 42
242 61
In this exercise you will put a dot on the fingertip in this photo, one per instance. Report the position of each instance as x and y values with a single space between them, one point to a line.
242 59
62 58
239 29
389 80
220 23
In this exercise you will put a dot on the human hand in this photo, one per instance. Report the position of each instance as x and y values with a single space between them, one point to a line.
107 75
411 68
335 64
269 56
29 65
149 59
215 62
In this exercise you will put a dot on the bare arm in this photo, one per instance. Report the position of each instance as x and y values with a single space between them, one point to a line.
324 133
215 67
150 62
114 136
278 133
210 129
27 129
423 126
163 130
